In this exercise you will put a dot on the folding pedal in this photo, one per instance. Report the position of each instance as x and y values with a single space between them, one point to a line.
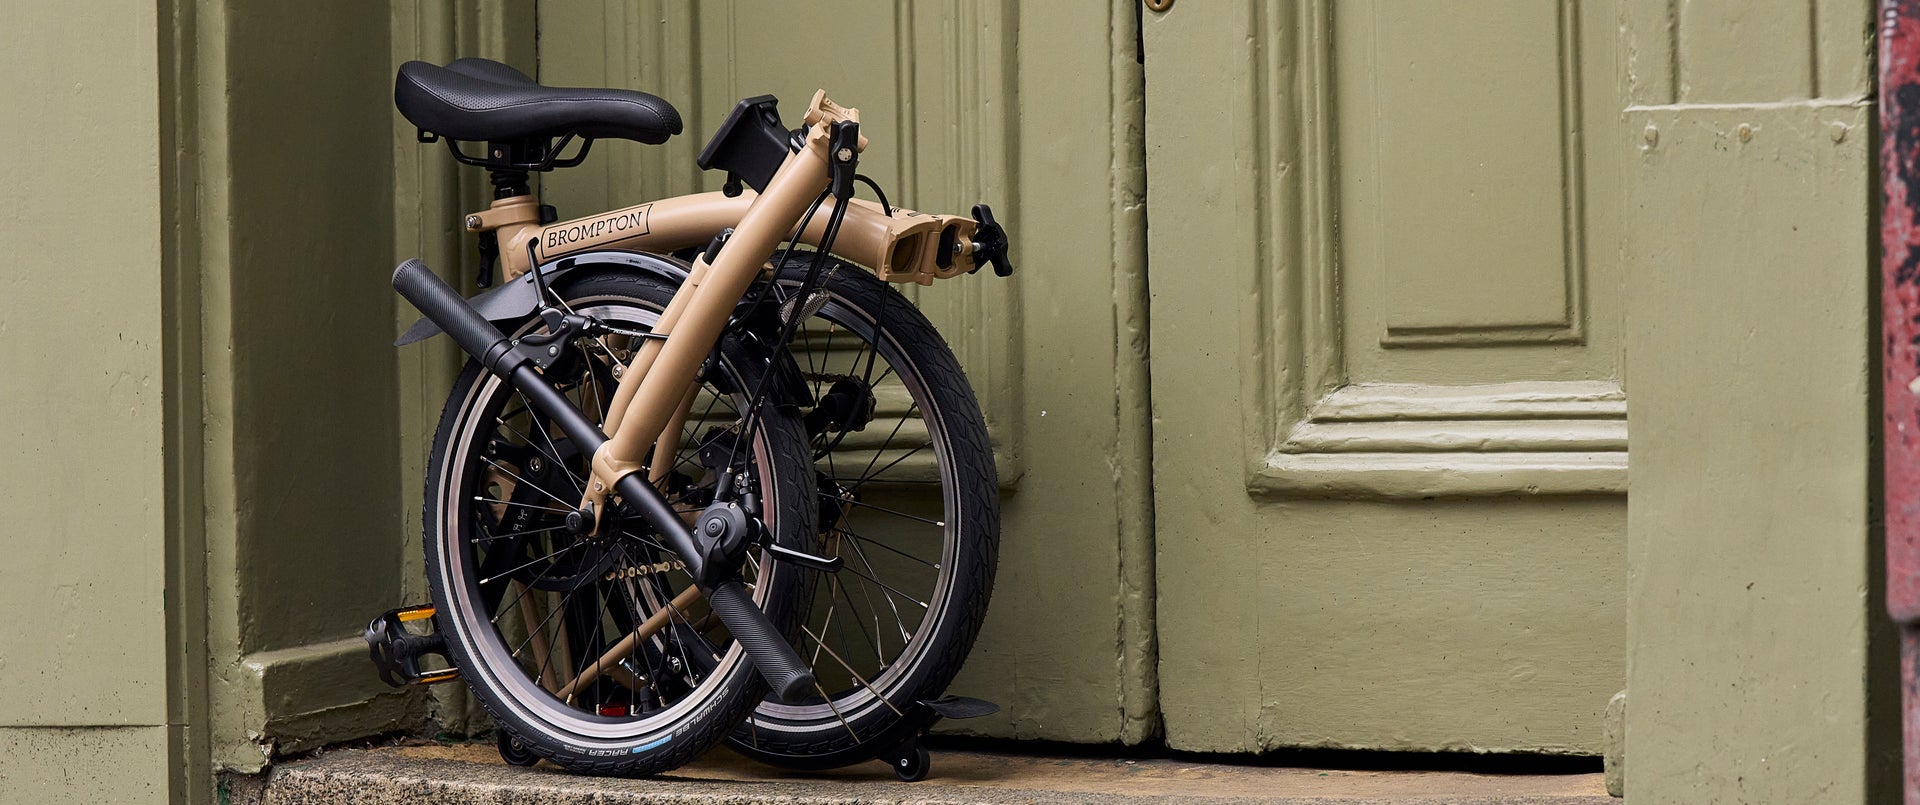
958 707
396 651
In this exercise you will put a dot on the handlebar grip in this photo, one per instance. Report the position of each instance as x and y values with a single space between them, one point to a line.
772 654
444 306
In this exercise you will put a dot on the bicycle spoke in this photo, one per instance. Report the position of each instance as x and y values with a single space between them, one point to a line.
556 647
820 645
824 625
865 473
551 456
536 487
858 625
890 465
507 606
543 625
569 546
492 537
864 505
599 395
879 650
686 662
529 616
814 369
900 482
633 646
847 532
579 483
486 499
881 584
589 646
641 633
836 710
645 541
904 636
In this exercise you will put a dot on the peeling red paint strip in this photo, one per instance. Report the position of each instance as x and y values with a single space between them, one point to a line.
1900 334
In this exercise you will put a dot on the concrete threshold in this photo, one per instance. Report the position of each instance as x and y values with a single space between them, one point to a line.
457 774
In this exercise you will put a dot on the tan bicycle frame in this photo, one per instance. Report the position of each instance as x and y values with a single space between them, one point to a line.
902 247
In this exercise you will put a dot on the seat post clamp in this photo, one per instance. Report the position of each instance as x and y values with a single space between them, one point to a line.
505 212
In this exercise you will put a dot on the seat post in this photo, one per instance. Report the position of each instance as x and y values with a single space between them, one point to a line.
509 182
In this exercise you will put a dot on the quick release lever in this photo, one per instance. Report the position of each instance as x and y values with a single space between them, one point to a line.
990 242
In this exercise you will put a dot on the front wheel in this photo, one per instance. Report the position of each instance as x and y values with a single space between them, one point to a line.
594 649
908 500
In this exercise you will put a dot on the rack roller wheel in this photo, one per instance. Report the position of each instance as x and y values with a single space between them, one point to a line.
512 751
910 761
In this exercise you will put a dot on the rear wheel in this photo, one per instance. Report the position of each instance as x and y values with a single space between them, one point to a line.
908 501
595 650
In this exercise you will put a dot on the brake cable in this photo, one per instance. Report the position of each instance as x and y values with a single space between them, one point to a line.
875 187
787 327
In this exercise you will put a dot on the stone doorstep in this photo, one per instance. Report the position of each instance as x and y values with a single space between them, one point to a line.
473 773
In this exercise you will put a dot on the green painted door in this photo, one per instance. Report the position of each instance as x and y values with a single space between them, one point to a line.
1033 108
1385 490
1389 426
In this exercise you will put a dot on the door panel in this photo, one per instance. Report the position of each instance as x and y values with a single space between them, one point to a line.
1389 442
1432 143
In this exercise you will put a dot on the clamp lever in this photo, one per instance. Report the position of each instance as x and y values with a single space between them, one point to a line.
990 242
843 158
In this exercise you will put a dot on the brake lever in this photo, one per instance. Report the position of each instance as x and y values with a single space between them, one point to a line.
824 564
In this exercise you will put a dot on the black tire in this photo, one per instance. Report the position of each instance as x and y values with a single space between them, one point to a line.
680 700
879 709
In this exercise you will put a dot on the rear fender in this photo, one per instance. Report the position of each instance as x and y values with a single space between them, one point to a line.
519 298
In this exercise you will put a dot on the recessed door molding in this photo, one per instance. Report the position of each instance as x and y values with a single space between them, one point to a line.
1321 431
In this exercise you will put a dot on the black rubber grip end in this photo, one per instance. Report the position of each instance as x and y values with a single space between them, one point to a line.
796 687
401 272
779 664
451 312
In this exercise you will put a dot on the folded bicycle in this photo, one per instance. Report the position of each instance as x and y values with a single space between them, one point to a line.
707 475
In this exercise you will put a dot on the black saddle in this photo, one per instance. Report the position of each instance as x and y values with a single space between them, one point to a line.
483 100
